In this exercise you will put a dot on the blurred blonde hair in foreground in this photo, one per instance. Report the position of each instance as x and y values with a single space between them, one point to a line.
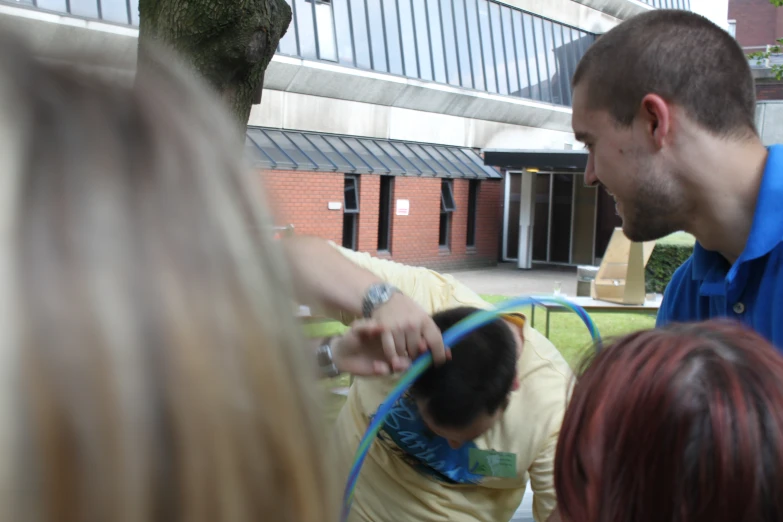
150 368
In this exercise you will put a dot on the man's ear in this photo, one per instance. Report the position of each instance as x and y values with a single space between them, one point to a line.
515 383
656 115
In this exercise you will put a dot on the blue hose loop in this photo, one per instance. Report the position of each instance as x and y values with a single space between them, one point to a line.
450 337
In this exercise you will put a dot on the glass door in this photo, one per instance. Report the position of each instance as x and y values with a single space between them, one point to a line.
561 217
542 196
564 219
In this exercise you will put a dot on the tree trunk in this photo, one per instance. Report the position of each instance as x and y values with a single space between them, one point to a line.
229 42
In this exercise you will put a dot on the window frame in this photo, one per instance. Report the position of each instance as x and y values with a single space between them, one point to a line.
355 181
474 186
447 209
351 215
385 232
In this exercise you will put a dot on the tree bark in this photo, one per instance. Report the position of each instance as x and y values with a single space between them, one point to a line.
229 42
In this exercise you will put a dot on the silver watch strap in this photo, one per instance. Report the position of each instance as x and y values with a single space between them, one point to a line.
376 295
326 359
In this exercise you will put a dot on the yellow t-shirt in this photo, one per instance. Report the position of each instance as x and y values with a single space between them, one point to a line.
390 489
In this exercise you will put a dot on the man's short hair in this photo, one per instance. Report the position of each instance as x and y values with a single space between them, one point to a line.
479 377
680 56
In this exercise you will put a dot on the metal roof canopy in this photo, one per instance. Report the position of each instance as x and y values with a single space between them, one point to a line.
311 151
549 160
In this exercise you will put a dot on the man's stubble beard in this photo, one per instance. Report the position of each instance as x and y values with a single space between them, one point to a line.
657 209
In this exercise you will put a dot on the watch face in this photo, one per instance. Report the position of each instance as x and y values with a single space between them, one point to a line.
381 294
376 295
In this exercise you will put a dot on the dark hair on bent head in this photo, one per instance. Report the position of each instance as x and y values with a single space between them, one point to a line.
682 57
479 376
680 424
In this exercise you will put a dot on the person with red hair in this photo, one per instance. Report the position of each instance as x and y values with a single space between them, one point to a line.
683 423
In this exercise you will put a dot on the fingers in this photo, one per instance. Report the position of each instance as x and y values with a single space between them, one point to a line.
434 339
380 368
400 342
366 327
389 348
412 342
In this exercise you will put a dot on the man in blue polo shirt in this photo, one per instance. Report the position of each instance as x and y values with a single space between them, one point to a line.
665 103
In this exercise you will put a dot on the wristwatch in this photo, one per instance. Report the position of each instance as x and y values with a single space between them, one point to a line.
376 295
326 359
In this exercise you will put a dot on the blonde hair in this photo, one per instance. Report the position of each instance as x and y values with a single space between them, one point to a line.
150 365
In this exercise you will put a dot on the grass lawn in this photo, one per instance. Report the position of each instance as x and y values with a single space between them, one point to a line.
678 238
567 333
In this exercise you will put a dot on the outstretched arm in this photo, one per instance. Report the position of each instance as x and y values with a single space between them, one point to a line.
325 278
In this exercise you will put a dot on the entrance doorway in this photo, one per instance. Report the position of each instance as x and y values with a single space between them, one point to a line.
550 217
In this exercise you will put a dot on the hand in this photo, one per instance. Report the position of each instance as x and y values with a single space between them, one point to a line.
367 349
411 328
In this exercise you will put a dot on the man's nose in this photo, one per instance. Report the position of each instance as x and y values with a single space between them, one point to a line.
590 178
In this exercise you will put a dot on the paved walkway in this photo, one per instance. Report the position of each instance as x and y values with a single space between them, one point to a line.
507 279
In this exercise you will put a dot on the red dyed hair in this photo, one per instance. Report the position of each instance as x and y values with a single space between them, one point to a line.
681 424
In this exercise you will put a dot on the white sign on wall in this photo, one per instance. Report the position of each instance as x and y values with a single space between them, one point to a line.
335 205
403 207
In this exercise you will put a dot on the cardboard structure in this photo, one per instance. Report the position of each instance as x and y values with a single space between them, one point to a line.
620 278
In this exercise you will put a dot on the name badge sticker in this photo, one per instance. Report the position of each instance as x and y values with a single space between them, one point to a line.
488 463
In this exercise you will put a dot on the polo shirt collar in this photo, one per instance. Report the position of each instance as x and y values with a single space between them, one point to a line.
707 265
767 229
766 232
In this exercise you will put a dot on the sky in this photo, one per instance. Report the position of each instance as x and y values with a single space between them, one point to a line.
715 10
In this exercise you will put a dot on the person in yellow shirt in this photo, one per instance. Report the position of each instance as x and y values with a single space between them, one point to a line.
415 469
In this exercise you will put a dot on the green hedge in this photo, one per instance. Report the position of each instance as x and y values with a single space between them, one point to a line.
665 259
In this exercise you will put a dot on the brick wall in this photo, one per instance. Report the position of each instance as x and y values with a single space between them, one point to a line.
369 203
758 21
300 198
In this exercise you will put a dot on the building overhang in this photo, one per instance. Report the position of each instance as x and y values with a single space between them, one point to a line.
310 151
541 160
622 9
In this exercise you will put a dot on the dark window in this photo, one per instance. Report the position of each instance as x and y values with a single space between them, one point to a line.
521 53
408 37
114 12
377 35
549 48
473 189
541 52
344 33
350 212
447 196
447 208
393 36
449 42
434 21
324 26
384 218
532 60
288 43
361 39
474 39
422 39
305 25
463 45
511 53
86 8
486 46
496 34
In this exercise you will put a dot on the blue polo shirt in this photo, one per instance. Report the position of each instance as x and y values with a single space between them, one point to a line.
751 290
